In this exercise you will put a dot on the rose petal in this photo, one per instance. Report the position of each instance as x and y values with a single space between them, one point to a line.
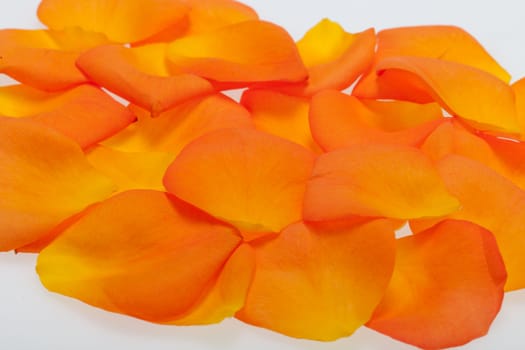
141 253
121 21
317 283
238 55
446 289
140 76
334 58
44 179
131 170
338 120
376 180
282 115
176 127
475 96
251 179
84 114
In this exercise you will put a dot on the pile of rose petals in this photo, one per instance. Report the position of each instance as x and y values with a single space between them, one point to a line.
182 206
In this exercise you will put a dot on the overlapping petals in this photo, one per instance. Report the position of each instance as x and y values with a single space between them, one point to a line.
147 191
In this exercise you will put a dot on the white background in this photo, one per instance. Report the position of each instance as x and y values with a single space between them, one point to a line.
32 318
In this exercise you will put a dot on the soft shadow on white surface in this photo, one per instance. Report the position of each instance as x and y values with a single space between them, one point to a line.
32 318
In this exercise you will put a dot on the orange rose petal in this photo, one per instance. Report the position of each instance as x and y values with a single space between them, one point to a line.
446 289
238 55
502 156
140 76
141 253
519 93
49 70
175 128
376 180
282 115
477 97
228 294
338 120
131 170
85 114
44 180
251 179
491 201
121 21
447 43
317 283
334 58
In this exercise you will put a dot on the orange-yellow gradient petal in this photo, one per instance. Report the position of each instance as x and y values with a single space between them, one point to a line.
85 114
376 180
282 115
491 201
338 120
131 170
176 127
320 283
228 294
446 289
44 179
334 58
122 21
141 253
448 43
140 76
251 179
240 54
475 96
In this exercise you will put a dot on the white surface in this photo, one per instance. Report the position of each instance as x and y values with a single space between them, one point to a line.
32 318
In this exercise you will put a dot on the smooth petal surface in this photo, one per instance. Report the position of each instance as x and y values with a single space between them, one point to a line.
446 289
175 128
475 96
334 58
45 59
140 76
491 201
85 114
141 253
317 283
448 43
131 170
282 115
238 55
338 120
228 294
251 179
122 21
44 179
376 180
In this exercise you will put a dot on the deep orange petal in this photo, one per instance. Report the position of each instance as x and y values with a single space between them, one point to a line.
446 289
142 253
317 283
282 115
376 180
85 114
176 127
338 120
228 294
240 54
140 76
447 43
475 96
334 58
251 179
44 180
122 21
